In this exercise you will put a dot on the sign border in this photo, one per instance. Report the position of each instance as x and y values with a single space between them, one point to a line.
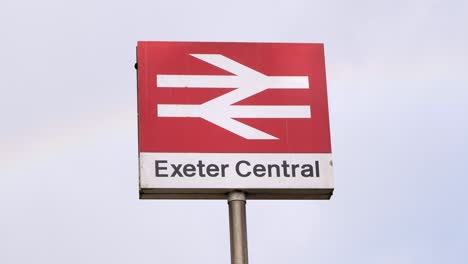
221 193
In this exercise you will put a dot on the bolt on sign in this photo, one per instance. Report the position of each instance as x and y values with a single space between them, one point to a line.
215 117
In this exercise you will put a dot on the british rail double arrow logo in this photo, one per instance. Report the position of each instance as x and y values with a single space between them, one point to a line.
220 110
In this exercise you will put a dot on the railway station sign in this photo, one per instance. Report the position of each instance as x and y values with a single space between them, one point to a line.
215 117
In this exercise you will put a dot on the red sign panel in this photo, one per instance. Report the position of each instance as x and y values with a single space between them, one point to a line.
232 98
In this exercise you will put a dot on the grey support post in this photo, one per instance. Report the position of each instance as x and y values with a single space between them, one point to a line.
238 227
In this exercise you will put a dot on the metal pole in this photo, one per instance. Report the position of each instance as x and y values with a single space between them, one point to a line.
238 227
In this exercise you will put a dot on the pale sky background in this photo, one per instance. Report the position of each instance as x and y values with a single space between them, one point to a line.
398 95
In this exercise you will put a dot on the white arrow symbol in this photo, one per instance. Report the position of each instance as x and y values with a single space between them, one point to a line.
220 110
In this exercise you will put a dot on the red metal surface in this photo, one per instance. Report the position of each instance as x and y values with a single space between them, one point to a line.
167 134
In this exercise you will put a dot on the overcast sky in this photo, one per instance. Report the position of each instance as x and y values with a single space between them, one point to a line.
398 98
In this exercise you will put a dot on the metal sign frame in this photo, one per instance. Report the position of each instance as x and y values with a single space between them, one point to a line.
218 117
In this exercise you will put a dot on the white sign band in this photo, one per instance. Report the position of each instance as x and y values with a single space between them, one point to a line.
235 171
